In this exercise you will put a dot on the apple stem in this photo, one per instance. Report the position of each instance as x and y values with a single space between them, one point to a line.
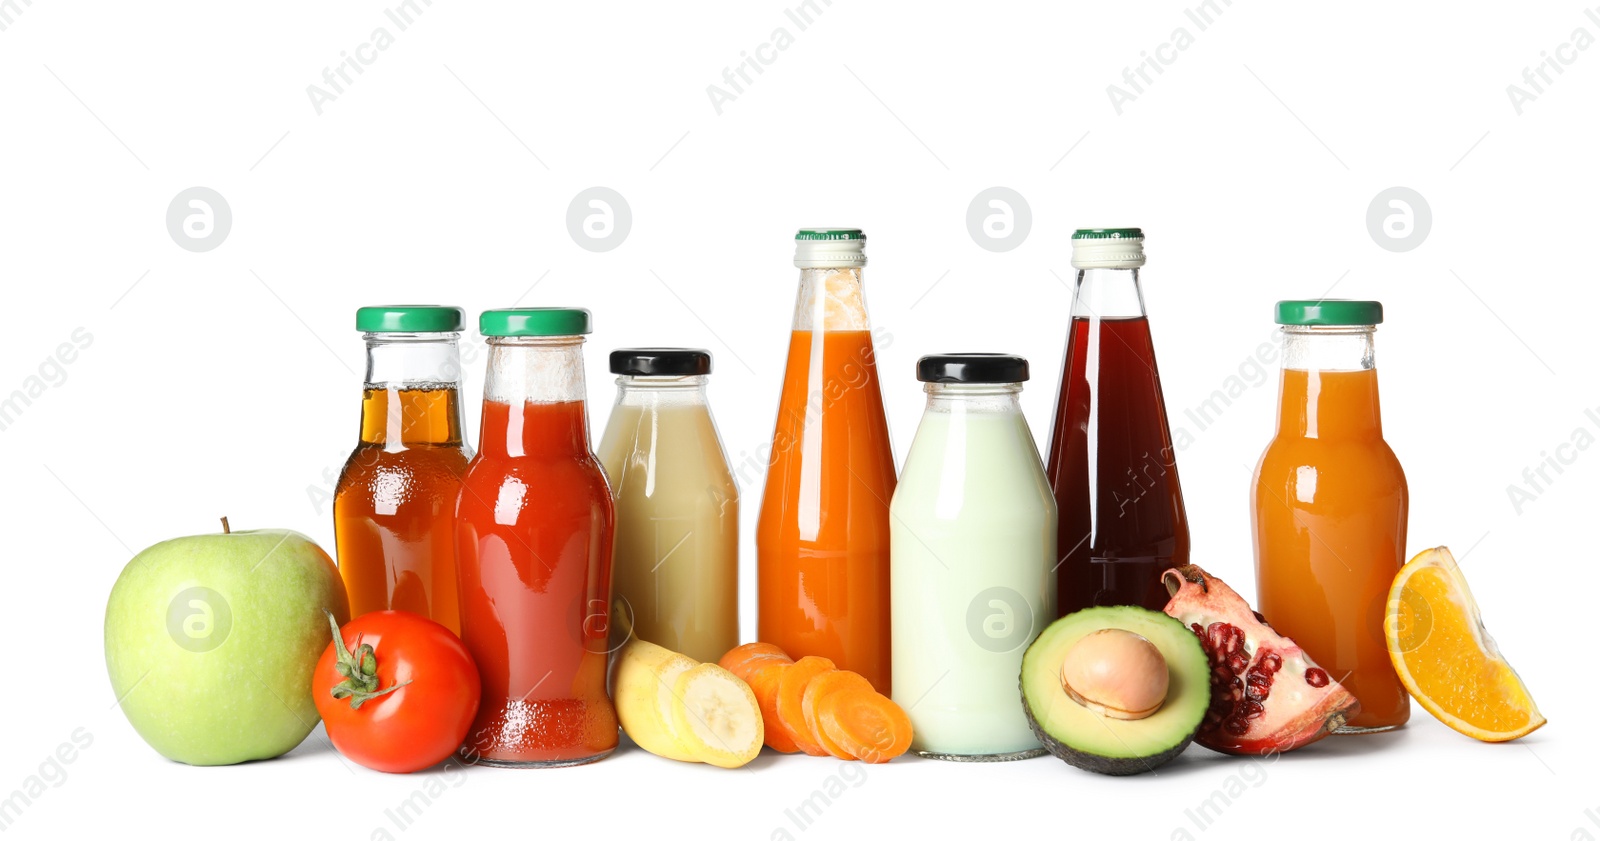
359 670
225 529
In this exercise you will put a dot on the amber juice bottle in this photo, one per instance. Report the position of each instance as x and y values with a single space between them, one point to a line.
394 508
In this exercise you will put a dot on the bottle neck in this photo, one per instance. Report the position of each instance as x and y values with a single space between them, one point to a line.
533 397
660 392
1108 293
1329 383
1318 348
976 398
419 360
412 394
831 299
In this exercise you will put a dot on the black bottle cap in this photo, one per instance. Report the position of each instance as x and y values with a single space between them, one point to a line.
972 368
660 361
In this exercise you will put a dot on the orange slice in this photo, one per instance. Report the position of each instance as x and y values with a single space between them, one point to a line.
1446 658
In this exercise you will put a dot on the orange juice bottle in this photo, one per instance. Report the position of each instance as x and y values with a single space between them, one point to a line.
395 505
1330 506
822 537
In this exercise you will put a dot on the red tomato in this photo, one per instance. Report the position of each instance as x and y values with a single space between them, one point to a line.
411 708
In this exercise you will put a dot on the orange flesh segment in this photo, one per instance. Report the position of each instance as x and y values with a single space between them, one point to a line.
1446 658
821 686
868 725
791 691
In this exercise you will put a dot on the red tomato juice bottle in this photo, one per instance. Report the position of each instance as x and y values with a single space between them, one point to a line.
534 529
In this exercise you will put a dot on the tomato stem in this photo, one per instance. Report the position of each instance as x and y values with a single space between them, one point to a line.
359 670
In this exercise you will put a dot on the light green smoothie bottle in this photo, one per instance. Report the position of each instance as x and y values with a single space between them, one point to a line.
972 544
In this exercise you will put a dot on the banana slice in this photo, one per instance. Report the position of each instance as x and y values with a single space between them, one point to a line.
643 689
717 717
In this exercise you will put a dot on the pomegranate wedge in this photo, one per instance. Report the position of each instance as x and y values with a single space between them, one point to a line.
1267 696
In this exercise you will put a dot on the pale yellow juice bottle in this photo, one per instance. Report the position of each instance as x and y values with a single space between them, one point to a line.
676 574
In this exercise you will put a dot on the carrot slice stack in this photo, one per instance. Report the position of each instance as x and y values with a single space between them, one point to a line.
791 692
810 705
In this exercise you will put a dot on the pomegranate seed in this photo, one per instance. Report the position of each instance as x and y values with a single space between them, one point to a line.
1316 677
1251 709
1271 663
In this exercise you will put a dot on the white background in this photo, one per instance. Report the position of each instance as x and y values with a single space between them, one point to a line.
227 382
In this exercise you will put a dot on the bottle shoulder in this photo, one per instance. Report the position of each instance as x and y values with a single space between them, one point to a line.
1297 448
367 459
560 487
996 464
1365 461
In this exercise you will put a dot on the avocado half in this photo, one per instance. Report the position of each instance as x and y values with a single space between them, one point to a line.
1104 745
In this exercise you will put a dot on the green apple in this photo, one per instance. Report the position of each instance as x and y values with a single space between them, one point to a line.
211 642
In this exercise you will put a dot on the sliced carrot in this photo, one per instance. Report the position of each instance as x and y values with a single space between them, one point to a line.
819 687
868 725
791 692
745 669
764 674
762 664
747 652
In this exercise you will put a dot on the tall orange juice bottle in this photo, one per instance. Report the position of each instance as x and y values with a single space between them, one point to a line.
822 537
1330 506
395 505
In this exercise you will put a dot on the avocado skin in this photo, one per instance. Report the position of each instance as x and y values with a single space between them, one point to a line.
1109 765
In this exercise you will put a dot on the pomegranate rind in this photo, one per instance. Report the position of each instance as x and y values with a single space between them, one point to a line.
1300 711
1432 624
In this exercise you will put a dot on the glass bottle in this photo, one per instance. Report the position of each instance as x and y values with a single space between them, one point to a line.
395 503
534 529
1112 464
822 539
973 527
1330 506
677 555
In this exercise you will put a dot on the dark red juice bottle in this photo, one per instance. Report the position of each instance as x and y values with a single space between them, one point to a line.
1112 465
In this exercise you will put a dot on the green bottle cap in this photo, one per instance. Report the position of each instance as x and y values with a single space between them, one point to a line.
1107 248
420 318
534 321
830 233
1107 233
1331 312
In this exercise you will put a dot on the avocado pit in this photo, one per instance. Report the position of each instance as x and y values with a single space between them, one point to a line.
1116 673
